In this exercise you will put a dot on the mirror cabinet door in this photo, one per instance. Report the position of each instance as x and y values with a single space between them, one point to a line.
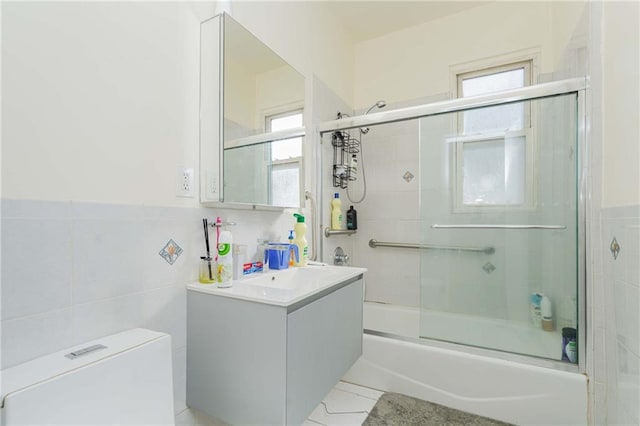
251 149
211 165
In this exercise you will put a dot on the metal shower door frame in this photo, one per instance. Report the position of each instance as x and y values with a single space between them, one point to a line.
575 86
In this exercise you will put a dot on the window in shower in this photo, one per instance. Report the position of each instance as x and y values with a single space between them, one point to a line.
494 146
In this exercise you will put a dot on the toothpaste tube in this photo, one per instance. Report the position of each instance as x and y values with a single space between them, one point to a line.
251 267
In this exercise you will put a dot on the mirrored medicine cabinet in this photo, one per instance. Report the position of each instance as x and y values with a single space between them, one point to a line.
251 121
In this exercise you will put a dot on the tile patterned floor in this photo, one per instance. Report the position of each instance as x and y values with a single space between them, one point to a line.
345 405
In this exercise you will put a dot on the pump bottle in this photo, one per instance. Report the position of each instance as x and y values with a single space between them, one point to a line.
300 229
292 258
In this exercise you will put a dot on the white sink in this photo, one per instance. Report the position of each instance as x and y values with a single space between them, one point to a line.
295 277
284 287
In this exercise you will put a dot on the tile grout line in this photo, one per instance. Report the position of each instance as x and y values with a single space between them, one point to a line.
324 404
73 273
360 395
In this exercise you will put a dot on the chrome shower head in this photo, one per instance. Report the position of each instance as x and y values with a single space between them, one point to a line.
379 104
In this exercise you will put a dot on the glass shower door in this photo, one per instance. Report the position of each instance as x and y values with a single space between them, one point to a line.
499 208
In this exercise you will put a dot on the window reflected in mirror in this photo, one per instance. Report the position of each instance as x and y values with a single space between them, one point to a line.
263 123
270 172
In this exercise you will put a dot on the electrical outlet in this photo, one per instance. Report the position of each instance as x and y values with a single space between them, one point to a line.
211 184
184 182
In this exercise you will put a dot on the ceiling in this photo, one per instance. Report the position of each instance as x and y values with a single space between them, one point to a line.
366 19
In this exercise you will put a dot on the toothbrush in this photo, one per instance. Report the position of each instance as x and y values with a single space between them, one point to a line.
218 226
205 223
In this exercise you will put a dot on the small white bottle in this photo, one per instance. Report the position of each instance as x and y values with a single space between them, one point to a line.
547 314
225 259
239 256
353 166
536 315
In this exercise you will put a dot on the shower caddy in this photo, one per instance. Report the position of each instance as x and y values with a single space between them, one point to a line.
344 147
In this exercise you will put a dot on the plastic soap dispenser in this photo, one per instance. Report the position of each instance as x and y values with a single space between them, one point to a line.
292 258
336 212
300 229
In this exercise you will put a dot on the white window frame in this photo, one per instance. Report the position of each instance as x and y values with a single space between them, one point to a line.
293 161
529 187
528 61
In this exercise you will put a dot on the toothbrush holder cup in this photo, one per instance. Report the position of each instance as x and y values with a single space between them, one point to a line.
277 255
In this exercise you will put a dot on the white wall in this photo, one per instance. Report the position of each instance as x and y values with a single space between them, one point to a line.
415 62
100 100
250 96
570 31
621 106
306 36
277 90
240 107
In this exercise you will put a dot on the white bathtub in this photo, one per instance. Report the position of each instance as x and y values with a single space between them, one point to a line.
471 330
510 391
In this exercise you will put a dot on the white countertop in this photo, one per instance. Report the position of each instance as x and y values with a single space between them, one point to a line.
283 287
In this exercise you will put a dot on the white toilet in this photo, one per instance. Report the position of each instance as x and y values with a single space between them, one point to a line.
123 379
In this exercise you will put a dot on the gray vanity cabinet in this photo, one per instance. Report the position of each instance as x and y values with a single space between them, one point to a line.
257 363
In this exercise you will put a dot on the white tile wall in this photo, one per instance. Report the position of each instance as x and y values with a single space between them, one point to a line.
73 272
38 252
102 318
326 105
36 335
620 278
107 258
390 212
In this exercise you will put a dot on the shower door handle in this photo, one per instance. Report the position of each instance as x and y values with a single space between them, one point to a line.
375 243
436 226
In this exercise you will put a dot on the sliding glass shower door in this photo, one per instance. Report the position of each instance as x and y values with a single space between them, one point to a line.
499 208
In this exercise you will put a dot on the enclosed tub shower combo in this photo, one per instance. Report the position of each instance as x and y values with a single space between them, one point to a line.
492 258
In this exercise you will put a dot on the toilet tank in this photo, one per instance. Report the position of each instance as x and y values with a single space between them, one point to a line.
123 379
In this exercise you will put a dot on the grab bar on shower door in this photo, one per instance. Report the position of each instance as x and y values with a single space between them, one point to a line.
375 243
436 226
